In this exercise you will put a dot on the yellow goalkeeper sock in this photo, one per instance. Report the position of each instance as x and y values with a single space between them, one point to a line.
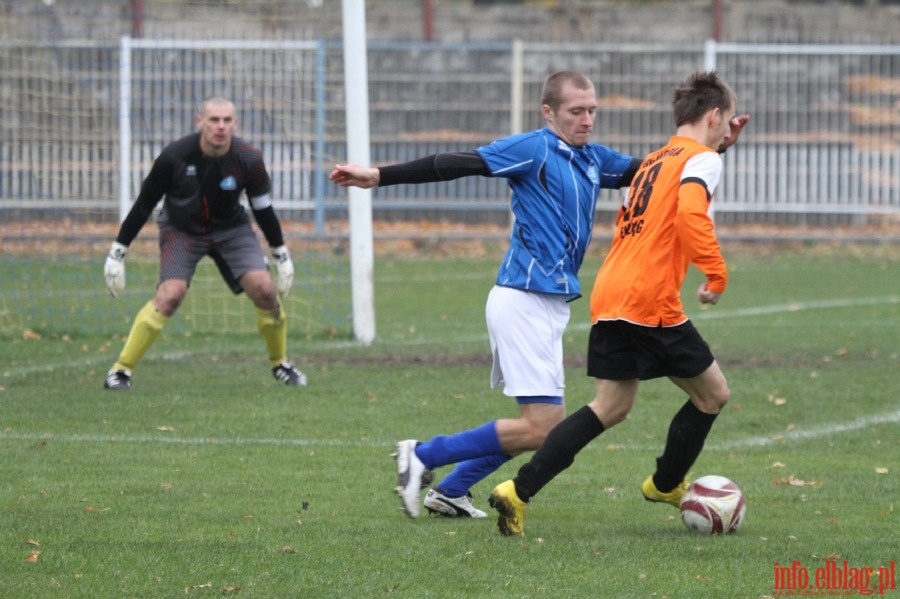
147 325
274 332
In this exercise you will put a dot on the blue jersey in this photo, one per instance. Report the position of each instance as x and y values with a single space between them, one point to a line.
554 195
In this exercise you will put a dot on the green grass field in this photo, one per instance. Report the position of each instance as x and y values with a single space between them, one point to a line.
210 479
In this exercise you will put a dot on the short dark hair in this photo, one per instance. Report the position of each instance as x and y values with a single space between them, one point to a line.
213 100
552 92
698 94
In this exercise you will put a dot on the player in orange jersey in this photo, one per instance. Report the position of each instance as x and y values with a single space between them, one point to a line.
640 330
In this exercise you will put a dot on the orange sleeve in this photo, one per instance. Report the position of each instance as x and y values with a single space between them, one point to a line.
697 237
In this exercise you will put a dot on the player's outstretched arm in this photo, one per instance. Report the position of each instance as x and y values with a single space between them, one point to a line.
354 175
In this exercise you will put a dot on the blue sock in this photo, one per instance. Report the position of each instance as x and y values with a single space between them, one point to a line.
473 443
467 473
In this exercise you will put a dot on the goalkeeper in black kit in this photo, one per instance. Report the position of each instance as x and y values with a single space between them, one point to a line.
201 176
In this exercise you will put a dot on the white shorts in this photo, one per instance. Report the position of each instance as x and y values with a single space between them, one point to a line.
526 331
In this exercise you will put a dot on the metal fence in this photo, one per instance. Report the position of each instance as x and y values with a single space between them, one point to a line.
823 144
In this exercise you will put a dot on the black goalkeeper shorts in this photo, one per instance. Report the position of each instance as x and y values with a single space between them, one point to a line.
235 251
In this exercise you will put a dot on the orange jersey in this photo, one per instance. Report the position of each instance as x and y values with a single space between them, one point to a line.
662 228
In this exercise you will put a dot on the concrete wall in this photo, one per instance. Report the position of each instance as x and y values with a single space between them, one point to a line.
682 21
865 21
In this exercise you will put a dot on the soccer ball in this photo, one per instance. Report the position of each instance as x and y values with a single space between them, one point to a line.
713 505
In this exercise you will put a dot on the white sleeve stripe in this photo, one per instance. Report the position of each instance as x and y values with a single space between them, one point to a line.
706 166
261 202
512 166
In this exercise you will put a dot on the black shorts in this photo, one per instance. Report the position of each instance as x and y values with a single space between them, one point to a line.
621 351
235 251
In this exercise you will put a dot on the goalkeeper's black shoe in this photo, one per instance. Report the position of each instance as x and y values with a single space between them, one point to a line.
118 380
290 376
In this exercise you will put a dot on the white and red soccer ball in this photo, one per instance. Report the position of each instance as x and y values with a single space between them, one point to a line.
713 505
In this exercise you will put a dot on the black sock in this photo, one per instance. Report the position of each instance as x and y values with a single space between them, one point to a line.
687 434
557 452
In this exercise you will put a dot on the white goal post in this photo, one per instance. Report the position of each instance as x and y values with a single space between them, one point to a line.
356 81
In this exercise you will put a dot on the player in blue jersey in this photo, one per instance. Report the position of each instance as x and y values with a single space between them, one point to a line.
202 176
555 174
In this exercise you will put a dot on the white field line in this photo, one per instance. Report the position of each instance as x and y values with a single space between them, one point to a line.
706 315
800 307
164 439
712 313
818 432
744 443
171 356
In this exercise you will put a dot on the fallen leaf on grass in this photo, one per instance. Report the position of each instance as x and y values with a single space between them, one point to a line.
796 482
830 557
29 335
778 401
95 510
32 542
287 549
166 429
231 590
881 470
33 556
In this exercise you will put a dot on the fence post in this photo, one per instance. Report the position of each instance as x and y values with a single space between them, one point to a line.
709 64
319 143
124 127
516 94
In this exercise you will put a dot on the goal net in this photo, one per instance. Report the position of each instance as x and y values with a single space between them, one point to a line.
82 125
